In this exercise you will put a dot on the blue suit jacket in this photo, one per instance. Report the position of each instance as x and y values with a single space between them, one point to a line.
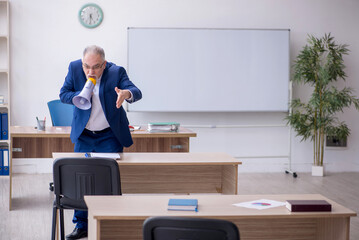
113 76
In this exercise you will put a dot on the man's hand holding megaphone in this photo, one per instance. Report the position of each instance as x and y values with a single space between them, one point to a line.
121 96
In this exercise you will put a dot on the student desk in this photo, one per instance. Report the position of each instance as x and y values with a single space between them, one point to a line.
175 172
121 217
28 142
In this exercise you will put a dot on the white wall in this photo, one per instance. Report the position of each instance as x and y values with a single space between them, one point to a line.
46 36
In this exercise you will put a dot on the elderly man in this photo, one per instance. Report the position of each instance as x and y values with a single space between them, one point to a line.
103 127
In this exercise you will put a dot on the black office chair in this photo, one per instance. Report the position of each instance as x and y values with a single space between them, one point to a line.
76 177
174 228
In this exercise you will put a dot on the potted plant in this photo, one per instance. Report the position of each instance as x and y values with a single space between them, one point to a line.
319 65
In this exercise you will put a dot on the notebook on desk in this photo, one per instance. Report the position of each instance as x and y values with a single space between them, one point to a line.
183 204
115 156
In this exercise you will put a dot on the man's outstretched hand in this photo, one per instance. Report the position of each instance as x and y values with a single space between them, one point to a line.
121 96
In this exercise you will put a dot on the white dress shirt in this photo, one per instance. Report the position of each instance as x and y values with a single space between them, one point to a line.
97 121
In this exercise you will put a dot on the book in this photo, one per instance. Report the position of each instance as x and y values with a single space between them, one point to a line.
163 127
308 206
183 204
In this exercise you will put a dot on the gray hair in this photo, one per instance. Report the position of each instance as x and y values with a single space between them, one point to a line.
95 50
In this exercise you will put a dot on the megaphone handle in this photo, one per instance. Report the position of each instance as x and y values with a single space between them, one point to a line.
92 80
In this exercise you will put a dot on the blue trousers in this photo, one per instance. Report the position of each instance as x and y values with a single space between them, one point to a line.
94 142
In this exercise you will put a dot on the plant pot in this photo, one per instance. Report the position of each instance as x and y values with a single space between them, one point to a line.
318 171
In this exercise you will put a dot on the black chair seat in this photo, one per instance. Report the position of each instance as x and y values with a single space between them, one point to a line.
66 203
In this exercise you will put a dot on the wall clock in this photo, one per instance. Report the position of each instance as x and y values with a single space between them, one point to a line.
90 15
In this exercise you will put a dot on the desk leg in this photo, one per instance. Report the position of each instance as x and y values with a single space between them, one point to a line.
230 179
333 228
57 224
94 229
98 228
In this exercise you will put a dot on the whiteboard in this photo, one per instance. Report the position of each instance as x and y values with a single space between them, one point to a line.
209 70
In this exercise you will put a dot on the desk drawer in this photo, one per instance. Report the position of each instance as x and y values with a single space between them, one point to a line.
40 147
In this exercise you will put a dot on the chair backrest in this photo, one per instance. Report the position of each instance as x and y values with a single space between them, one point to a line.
61 113
173 228
76 177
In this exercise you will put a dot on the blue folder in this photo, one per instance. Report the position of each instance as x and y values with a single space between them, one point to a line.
1 162
4 126
5 159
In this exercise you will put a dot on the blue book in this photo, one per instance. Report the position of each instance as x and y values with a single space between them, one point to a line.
183 204
5 158
1 162
4 126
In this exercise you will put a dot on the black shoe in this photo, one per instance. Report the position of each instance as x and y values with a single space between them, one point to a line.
77 233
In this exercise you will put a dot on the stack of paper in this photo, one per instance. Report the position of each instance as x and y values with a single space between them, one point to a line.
104 155
163 127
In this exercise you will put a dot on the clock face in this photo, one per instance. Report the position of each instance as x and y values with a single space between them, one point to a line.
90 15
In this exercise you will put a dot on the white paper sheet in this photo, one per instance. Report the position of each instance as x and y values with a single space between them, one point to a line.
106 155
260 204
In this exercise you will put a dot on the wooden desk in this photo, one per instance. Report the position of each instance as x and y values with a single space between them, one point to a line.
121 217
27 142
175 172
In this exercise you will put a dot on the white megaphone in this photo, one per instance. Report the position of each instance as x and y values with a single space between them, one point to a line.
82 100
